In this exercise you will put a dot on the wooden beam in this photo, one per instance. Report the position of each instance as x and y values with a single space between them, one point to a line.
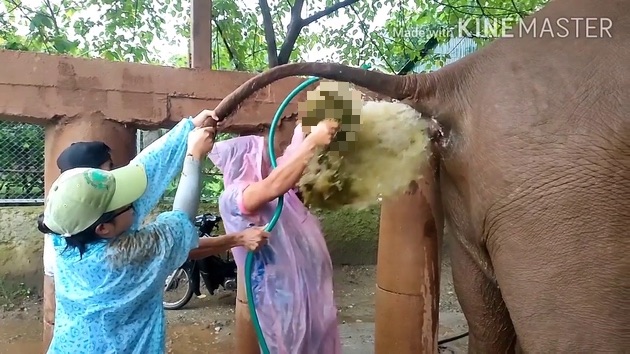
43 89
201 34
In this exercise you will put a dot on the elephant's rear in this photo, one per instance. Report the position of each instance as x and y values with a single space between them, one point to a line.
539 160
534 176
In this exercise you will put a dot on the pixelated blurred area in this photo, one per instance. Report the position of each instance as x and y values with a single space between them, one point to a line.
338 101
376 153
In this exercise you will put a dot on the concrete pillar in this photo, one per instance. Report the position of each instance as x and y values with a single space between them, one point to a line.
245 340
408 271
120 138
201 34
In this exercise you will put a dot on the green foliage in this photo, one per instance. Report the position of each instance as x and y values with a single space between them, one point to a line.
129 29
113 30
410 26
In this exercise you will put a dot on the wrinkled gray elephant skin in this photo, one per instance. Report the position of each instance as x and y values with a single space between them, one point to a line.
534 176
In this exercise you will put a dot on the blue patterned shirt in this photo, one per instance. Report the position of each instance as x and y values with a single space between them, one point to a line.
103 309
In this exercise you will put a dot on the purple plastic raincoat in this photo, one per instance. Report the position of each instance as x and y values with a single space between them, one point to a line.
293 276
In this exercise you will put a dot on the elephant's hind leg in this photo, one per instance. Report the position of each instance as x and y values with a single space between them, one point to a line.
564 300
488 320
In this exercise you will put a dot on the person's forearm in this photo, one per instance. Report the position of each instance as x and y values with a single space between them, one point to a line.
287 175
187 195
210 246
163 161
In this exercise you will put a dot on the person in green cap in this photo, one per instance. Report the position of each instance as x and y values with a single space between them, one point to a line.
94 154
110 269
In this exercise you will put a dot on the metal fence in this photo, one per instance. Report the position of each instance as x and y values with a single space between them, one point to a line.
21 163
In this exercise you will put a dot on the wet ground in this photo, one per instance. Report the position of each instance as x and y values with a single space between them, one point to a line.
206 325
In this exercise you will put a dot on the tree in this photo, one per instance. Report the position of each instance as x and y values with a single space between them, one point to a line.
128 29
246 41
114 30
413 29
248 38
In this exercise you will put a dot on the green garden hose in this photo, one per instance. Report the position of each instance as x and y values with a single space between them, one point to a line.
249 260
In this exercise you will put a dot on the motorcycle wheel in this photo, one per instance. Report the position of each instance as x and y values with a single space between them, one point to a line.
183 285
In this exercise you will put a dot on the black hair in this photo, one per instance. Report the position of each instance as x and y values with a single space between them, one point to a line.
84 154
80 240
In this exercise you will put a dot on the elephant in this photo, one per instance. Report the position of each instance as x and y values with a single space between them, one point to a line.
532 137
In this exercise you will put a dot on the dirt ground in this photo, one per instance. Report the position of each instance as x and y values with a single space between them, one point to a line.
206 325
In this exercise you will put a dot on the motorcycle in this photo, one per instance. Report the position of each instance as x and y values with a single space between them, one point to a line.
214 270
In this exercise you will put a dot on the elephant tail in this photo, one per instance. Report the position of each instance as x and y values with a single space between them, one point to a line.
419 89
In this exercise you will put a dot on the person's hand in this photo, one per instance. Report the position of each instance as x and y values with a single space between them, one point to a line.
200 142
253 238
205 118
323 133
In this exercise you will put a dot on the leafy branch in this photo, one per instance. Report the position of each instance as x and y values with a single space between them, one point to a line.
296 24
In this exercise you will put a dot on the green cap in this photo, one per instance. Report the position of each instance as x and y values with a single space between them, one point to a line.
80 196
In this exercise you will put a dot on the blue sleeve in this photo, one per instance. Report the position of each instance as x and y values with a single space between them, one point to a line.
162 160
177 236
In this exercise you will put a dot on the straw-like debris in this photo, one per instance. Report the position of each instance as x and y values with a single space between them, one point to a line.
378 152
